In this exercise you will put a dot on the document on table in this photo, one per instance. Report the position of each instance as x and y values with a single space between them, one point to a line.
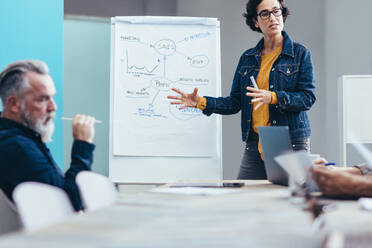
196 191
365 203
297 165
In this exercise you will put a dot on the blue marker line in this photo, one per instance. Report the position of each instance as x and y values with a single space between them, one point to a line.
165 59
328 164
153 100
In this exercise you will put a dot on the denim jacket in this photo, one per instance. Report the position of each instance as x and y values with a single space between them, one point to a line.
291 78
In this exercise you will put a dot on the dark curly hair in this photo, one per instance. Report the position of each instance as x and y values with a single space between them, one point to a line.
251 13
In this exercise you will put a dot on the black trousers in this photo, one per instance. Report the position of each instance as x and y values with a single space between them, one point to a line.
252 166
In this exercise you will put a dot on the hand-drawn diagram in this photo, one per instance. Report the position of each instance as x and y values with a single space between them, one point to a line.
156 74
149 60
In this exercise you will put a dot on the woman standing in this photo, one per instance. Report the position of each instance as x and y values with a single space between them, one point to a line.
283 71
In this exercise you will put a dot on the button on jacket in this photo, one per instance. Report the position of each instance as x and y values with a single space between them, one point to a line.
291 78
24 157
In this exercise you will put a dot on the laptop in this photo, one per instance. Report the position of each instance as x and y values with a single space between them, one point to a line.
274 141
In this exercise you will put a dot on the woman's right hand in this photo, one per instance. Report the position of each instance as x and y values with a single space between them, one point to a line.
188 100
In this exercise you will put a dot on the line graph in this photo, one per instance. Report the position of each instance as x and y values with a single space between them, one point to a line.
140 69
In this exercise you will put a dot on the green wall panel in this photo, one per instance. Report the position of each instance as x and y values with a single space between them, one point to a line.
87 81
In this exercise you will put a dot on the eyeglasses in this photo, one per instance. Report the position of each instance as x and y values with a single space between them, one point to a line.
265 14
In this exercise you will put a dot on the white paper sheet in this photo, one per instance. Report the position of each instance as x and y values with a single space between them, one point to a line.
150 59
297 165
365 203
362 149
196 191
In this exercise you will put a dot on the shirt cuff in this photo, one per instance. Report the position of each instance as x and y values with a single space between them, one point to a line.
83 148
364 169
202 103
274 98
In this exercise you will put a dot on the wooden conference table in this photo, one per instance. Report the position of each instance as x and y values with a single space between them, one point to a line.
260 215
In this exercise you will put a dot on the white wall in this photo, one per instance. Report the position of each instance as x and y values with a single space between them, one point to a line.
306 25
108 8
348 43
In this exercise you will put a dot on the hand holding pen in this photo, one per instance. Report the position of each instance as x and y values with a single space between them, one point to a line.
260 96
83 127
323 162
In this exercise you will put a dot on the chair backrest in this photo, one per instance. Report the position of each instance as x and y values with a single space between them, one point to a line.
9 217
96 191
40 205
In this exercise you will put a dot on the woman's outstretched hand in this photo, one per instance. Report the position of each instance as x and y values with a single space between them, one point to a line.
188 100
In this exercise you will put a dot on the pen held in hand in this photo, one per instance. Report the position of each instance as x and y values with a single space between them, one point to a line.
70 119
254 82
256 87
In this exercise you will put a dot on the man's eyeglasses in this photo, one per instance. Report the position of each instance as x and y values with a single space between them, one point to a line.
265 14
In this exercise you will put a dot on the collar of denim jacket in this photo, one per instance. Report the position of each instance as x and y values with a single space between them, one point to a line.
287 47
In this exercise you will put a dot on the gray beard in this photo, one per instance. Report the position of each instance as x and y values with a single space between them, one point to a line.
45 130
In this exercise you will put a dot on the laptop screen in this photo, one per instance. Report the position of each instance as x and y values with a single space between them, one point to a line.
274 141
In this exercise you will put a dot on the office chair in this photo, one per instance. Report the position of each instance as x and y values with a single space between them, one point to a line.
9 217
40 205
96 191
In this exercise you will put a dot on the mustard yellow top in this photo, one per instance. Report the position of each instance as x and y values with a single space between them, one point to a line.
260 116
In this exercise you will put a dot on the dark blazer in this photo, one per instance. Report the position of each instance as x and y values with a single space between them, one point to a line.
25 158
